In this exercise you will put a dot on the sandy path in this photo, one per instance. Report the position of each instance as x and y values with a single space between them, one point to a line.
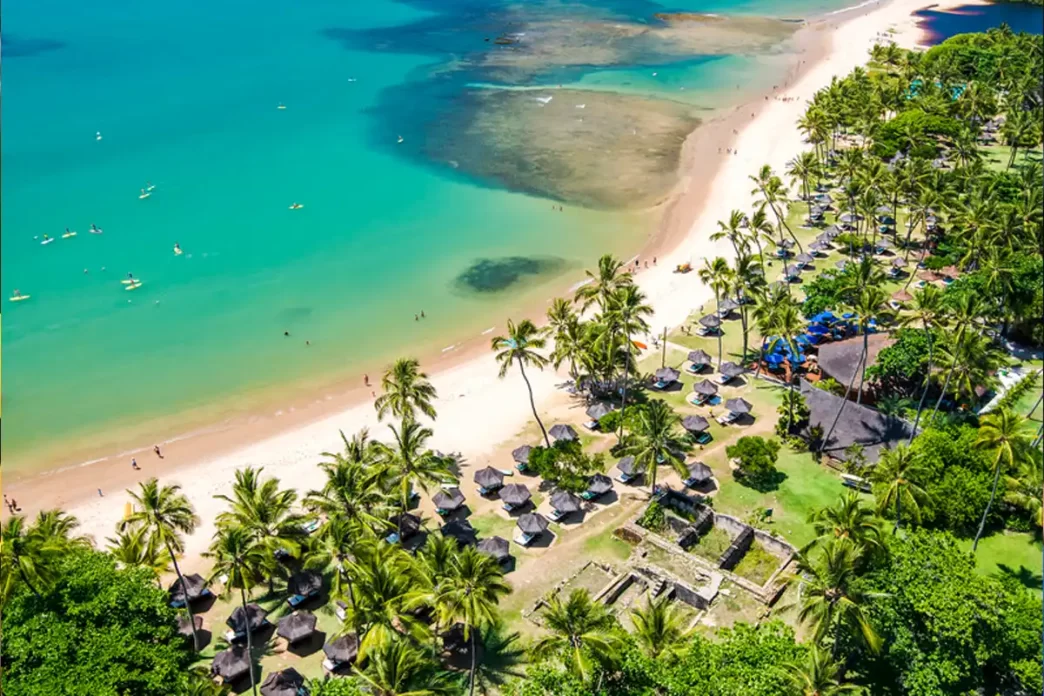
479 414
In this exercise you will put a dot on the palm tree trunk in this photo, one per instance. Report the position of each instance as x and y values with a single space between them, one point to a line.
36 592
945 386
717 311
184 590
898 510
743 325
862 373
989 504
627 374
471 687
927 384
848 391
532 403
250 642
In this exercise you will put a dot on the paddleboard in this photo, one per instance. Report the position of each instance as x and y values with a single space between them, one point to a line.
135 286
68 234
296 207
178 252
144 195
19 298
129 281
47 241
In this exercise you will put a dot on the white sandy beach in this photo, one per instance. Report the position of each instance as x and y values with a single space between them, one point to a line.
478 413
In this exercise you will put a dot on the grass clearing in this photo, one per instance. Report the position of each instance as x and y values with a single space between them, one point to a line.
757 565
1009 554
712 544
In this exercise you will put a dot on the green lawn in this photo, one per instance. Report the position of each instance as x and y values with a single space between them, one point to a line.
807 487
757 565
1009 553
605 546
712 544
997 156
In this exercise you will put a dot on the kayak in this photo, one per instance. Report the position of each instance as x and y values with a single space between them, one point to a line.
19 298
133 286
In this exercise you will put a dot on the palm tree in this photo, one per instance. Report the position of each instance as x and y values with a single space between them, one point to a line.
818 675
580 630
972 363
60 526
760 228
413 463
831 602
396 668
241 557
168 515
785 324
748 281
658 440
660 627
136 548
717 275
501 656
733 230
1002 434
27 556
385 596
928 309
520 345
1024 489
201 683
848 518
259 505
352 490
965 313
625 312
774 195
803 168
469 594
571 345
603 283
901 473
405 391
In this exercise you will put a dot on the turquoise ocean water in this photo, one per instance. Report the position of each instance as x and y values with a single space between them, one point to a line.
184 96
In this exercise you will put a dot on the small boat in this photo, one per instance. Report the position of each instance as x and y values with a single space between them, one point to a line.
19 298
150 187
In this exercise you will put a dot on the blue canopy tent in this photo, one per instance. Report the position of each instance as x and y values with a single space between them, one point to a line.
817 329
824 317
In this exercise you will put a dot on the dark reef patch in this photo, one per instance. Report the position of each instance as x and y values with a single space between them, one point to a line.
17 47
496 275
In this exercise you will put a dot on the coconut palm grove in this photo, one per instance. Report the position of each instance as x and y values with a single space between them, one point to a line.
829 480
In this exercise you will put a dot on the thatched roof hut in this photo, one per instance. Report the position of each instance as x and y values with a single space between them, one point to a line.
600 485
666 375
343 649
297 626
858 424
196 584
496 547
705 387
231 664
521 454
285 683
448 499
515 494
695 424
730 370
304 583
841 359
627 466
564 501
738 406
711 321
699 357
252 616
563 432
533 523
699 473
599 410
462 531
489 478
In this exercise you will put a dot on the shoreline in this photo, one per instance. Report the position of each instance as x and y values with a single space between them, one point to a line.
472 399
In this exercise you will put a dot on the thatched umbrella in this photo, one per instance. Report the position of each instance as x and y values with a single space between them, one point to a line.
231 664
342 650
449 499
564 502
730 370
705 387
950 272
405 524
728 305
883 210
600 485
563 432
849 217
832 232
699 473
489 478
598 411
286 683
738 406
785 243
185 628
627 466
252 616
305 583
515 494
196 585
843 263
521 454
882 243
532 523
818 246
699 357
928 276
902 296
711 321
297 626
695 424
898 262
461 530
666 375
805 258
496 547
792 271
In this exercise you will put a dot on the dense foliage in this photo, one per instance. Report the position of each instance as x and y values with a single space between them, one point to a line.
756 458
900 368
98 631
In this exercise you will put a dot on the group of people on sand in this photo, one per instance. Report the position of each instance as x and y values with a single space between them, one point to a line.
637 261
12 504
418 317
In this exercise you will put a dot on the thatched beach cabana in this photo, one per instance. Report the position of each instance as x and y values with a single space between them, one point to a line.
285 683
296 627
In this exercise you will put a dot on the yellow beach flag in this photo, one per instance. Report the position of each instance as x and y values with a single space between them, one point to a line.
128 510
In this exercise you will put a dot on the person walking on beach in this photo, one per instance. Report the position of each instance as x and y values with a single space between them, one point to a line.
134 464
156 449
366 380
9 504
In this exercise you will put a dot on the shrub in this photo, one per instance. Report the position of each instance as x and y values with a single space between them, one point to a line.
654 518
755 456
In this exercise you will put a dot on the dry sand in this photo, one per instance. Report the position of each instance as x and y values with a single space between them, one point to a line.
480 415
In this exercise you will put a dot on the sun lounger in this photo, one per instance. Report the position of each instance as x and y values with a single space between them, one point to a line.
523 539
